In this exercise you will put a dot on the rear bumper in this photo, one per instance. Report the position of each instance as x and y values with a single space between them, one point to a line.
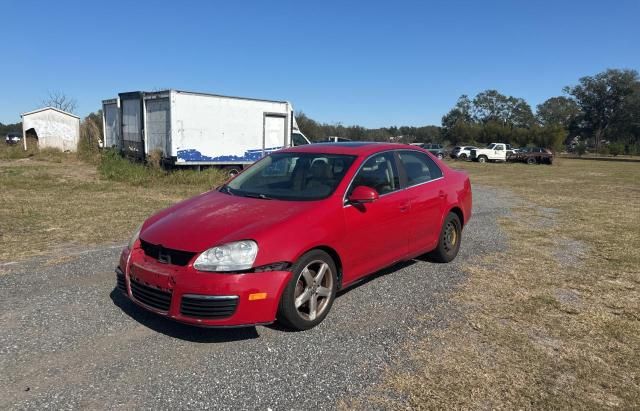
204 299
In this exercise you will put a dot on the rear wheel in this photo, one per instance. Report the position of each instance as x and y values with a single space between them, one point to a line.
440 156
449 242
531 160
462 156
308 297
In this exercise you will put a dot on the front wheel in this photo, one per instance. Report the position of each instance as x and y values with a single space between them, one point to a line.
531 160
440 156
449 242
462 157
308 297
482 159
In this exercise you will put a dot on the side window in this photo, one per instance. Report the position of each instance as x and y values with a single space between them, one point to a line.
500 147
419 167
298 140
380 173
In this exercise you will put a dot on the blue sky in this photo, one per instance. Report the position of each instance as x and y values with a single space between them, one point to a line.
369 63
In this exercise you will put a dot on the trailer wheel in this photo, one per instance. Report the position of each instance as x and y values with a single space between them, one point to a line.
232 171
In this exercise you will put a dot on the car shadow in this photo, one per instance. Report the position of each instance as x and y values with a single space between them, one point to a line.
178 330
389 270
378 274
192 333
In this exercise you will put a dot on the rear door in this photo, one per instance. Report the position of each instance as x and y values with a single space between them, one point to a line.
427 198
158 124
111 125
275 132
132 142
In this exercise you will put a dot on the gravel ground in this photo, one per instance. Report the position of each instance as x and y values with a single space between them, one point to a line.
69 340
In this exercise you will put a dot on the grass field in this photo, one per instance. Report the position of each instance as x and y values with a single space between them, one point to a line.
554 321
53 203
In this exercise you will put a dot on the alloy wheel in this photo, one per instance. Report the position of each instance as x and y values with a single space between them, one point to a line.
313 290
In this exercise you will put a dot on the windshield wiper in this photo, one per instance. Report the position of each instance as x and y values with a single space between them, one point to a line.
257 195
225 189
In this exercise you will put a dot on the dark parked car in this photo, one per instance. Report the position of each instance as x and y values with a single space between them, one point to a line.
532 155
13 137
435 149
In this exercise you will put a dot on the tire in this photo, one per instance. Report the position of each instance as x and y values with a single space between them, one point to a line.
440 156
232 171
531 160
322 290
482 159
462 157
449 241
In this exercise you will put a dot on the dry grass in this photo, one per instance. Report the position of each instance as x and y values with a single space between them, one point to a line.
62 203
553 322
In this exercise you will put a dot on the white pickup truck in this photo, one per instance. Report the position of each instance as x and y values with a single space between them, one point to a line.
493 152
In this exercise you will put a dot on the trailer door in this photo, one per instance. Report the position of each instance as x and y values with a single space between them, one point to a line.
275 132
157 126
112 126
132 143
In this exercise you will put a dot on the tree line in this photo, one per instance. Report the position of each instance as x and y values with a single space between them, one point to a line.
600 111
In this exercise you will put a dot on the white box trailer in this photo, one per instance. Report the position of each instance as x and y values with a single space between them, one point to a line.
195 129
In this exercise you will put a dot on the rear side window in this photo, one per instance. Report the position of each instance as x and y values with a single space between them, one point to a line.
419 167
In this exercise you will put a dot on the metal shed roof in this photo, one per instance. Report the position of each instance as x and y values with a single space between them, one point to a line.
49 108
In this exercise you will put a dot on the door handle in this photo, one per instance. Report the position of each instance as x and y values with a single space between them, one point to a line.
404 207
442 194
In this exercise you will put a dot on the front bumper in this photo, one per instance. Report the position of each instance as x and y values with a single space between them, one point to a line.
200 298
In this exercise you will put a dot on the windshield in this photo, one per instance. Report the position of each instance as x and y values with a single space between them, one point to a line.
291 176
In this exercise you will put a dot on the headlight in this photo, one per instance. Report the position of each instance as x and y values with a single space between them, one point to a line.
239 255
134 237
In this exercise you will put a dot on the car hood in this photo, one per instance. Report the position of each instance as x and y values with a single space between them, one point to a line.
215 218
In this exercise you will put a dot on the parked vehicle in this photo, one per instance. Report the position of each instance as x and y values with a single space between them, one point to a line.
279 240
335 139
462 152
435 149
533 155
196 129
13 137
493 152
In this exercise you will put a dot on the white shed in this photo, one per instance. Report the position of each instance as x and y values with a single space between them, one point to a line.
53 127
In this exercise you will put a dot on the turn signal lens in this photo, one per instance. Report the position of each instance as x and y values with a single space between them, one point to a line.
257 296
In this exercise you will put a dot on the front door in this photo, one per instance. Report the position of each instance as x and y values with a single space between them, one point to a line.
378 231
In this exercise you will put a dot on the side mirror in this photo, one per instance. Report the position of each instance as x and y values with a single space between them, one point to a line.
363 194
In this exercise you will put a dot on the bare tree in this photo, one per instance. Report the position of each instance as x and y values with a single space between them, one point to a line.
61 101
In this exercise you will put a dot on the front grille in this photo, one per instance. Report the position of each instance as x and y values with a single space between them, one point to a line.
473 153
208 306
121 284
166 255
153 297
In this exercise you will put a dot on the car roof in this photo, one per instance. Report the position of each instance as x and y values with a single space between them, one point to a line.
357 148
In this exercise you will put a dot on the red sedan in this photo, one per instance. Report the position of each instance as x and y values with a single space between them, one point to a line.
278 241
